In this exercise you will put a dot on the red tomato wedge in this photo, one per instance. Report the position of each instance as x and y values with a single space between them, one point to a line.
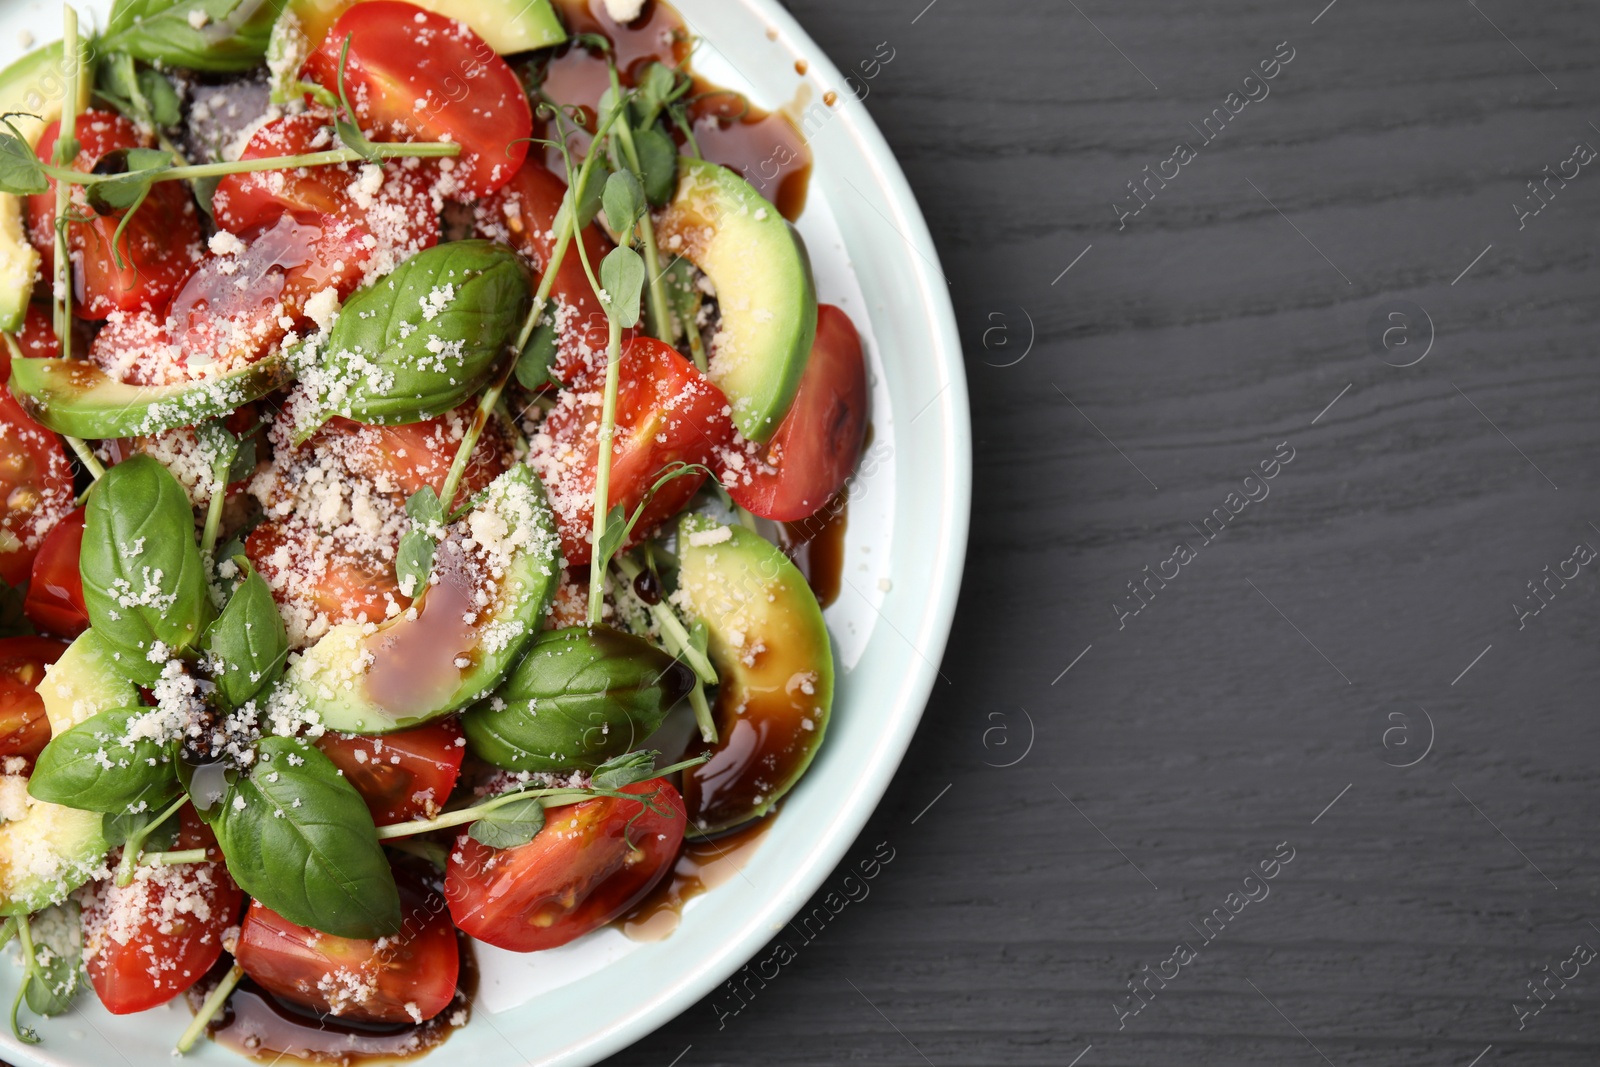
35 486
342 584
405 978
24 728
667 412
403 459
402 776
146 942
158 249
413 75
54 602
577 875
817 444
523 215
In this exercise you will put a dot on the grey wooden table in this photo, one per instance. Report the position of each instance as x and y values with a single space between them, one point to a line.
1347 665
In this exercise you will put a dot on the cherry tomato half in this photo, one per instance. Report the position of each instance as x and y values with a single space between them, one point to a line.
35 488
54 602
158 249
523 214
577 875
402 776
146 942
24 728
403 459
818 442
314 575
415 75
408 977
667 411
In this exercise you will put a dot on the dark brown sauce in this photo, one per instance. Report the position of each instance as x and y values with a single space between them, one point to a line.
763 146
259 1025
816 545
702 865
414 661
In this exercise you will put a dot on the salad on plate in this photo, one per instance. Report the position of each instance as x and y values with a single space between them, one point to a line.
420 441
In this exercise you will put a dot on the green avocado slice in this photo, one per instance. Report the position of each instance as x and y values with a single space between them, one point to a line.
446 651
79 399
770 647
762 274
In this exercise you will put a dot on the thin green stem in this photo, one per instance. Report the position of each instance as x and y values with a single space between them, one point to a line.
602 473
173 859
213 1004
208 536
673 633
659 313
425 150
26 936
66 152
702 713
135 843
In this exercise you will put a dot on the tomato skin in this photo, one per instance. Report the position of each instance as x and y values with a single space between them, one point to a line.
35 488
523 215
402 776
159 248
137 954
418 966
24 727
54 602
816 446
403 459
352 587
401 55
667 411
575 877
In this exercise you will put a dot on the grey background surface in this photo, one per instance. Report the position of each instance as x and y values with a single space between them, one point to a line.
1360 617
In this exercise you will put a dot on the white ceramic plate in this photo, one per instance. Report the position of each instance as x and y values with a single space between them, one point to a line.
904 551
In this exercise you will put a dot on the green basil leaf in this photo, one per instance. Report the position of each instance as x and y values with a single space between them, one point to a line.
624 770
658 164
414 561
298 838
538 356
247 645
94 767
21 173
510 825
579 698
622 277
209 35
424 507
117 828
55 972
143 581
623 199
423 339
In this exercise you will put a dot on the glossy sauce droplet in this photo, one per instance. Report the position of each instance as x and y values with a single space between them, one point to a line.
801 66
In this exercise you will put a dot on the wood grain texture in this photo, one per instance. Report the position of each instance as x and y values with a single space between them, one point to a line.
1227 715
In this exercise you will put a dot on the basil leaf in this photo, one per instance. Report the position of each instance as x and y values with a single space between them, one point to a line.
298 837
538 356
424 507
118 828
231 35
423 339
658 164
623 200
624 770
94 767
54 973
579 698
20 170
143 581
247 645
414 561
622 277
511 825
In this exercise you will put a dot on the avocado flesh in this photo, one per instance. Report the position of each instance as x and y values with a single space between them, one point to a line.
31 92
430 661
53 849
507 26
77 398
770 647
765 294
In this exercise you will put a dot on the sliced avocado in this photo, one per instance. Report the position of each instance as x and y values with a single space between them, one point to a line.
770 647
31 94
507 26
762 275
46 854
79 399
445 651
83 683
